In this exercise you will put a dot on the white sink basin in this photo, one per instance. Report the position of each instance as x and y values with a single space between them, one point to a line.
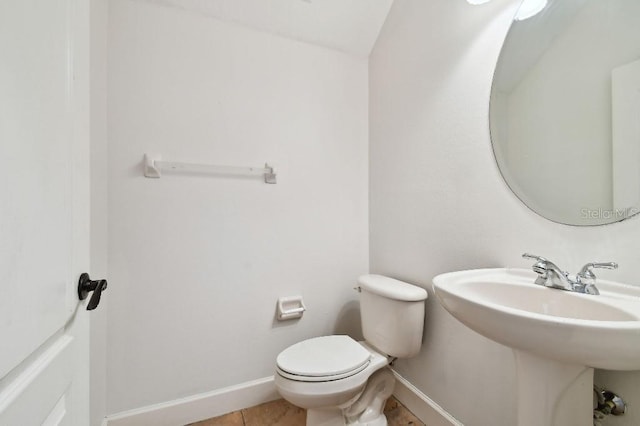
507 307
558 337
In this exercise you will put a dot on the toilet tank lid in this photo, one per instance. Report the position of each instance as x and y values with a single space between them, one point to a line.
391 288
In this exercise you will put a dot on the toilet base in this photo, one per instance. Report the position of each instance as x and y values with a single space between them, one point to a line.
367 410
336 418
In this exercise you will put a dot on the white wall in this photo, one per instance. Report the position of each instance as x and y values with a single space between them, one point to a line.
196 263
438 202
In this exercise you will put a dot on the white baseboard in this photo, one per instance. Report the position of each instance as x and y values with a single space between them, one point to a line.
199 407
222 401
423 407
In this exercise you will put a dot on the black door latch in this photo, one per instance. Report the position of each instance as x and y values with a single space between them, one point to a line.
86 285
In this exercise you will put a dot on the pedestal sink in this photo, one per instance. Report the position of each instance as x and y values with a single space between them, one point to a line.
558 337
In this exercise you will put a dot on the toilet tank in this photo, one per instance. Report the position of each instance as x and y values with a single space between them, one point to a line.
392 314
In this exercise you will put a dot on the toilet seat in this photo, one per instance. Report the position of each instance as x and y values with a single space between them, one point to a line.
328 391
323 359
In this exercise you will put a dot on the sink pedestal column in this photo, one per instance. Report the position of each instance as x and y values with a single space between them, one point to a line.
552 393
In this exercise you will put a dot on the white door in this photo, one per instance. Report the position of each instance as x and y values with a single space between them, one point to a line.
44 211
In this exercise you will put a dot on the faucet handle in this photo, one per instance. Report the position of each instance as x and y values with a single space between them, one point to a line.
586 271
534 257
586 279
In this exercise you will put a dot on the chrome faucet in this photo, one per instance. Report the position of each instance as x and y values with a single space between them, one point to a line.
550 275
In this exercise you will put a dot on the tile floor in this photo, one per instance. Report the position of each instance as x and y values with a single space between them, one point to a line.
281 413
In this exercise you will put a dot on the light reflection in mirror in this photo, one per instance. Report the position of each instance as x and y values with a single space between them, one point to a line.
530 8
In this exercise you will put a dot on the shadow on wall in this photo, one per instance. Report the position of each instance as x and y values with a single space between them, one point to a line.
431 304
348 321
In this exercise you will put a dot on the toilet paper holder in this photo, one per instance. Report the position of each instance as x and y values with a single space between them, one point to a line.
289 308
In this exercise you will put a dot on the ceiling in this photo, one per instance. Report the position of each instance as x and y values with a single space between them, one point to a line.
350 26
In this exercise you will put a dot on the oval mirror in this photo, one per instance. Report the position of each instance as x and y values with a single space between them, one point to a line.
565 109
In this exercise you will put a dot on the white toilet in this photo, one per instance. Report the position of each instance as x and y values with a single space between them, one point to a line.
343 382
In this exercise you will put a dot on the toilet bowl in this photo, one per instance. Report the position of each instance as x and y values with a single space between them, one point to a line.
341 380
344 382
